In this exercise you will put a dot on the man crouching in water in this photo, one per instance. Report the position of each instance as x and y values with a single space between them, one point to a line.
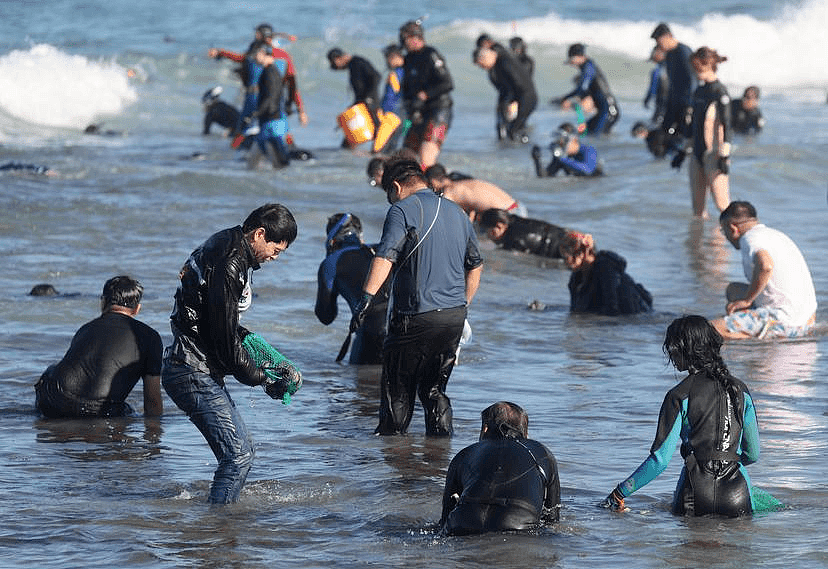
504 482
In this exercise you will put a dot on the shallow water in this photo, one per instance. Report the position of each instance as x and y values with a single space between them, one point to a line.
323 490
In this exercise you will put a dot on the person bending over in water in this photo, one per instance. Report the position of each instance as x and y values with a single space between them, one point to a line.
106 359
474 196
599 283
515 233
569 154
342 273
506 481
745 116
591 83
712 414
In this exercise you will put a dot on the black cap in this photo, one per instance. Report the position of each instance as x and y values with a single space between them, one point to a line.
660 30
576 49
333 54
412 28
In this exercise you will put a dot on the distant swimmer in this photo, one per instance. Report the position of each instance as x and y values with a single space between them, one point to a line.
363 78
98 130
569 155
514 85
681 79
593 84
711 133
43 289
515 233
342 273
105 360
20 167
504 482
711 413
426 89
599 283
779 299
474 196
745 116
219 112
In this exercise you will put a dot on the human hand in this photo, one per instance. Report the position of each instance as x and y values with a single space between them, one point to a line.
566 104
422 95
614 502
282 381
737 305
361 311
303 118
212 52
723 165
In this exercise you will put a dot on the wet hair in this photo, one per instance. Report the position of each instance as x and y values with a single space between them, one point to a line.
573 244
692 343
392 49
401 170
484 40
751 92
493 216
504 419
576 49
436 172
342 224
517 45
375 165
661 29
738 211
412 28
277 221
43 289
121 291
706 56
266 30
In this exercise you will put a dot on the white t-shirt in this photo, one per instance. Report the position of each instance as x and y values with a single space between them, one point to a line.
790 289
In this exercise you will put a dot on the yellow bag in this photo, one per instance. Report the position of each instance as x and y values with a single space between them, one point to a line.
357 124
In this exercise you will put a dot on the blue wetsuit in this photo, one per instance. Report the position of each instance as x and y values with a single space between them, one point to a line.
582 163
718 431
592 83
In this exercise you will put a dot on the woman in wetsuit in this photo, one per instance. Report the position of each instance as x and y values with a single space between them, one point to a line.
711 134
712 413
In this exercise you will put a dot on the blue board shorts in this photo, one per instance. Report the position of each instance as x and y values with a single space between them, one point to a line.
764 323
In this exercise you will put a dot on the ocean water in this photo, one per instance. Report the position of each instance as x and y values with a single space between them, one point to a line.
323 490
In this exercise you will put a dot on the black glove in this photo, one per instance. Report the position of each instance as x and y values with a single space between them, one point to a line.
614 502
284 379
724 165
677 160
361 311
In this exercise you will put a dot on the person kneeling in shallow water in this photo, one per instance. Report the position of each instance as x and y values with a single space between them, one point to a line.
712 414
504 482
599 283
515 233
569 155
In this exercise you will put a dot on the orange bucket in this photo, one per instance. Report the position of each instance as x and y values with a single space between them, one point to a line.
357 124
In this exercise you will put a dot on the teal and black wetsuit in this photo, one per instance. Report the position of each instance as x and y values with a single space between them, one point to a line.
719 435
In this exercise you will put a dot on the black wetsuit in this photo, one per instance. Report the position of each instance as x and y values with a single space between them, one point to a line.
713 93
606 288
425 70
745 121
222 114
16 166
499 485
682 81
105 360
513 83
342 273
365 82
532 236
718 432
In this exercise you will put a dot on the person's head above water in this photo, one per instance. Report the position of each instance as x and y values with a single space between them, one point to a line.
121 291
504 420
692 344
342 228
577 250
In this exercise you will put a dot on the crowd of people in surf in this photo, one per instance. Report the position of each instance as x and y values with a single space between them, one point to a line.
408 294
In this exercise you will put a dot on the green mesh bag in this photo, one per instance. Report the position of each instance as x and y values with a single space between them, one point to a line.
764 501
283 377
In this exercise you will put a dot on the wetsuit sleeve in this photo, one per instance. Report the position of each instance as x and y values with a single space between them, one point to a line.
581 90
454 486
655 76
723 112
664 446
552 502
441 82
224 291
223 53
364 80
750 433
326 309
583 163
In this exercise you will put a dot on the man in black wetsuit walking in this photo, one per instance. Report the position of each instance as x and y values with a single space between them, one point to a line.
505 481
514 85
681 78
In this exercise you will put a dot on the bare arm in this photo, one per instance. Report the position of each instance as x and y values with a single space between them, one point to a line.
380 269
473 282
153 404
762 271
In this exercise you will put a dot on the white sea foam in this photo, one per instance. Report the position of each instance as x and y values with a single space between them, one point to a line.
785 52
45 86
